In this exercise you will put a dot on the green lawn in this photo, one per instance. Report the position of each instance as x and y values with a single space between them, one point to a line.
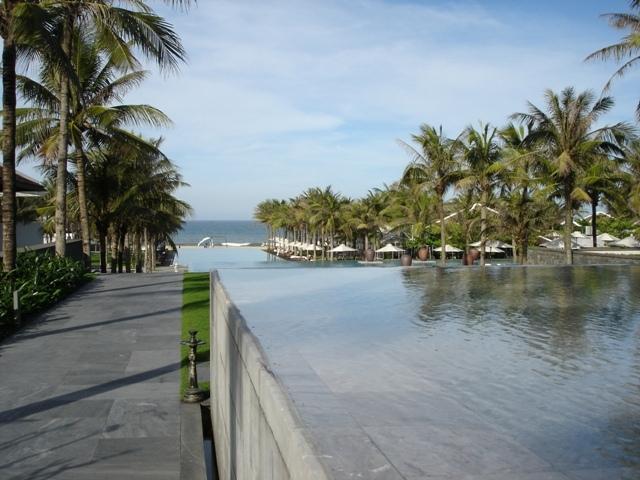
195 316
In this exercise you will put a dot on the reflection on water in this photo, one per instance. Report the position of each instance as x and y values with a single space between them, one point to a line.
549 356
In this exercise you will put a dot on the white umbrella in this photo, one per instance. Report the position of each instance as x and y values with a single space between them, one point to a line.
628 242
310 247
605 237
448 249
558 244
494 250
578 234
388 248
342 248
491 244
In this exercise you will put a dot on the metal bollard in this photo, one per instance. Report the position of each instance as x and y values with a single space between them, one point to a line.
17 317
193 394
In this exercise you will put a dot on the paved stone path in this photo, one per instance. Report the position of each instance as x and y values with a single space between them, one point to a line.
90 390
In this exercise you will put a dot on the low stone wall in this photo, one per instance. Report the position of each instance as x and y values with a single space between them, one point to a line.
546 256
257 433
73 249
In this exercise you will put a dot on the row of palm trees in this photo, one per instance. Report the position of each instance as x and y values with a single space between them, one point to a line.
81 58
514 182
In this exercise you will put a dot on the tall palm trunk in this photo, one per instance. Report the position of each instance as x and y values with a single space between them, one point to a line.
9 148
147 252
102 234
138 242
121 237
443 232
63 145
114 250
483 229
594 220
568 222
81 163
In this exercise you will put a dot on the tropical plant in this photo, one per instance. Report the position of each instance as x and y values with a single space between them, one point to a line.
434 165
567 136
627 50
40 280
482 154
93 117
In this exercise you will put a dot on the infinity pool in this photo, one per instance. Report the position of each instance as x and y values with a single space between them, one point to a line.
501 373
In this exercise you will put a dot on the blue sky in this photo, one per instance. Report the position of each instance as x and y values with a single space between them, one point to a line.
279 96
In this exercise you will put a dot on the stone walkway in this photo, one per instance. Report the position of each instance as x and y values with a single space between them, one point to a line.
90 390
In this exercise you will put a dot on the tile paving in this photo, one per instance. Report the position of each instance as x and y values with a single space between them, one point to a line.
90 388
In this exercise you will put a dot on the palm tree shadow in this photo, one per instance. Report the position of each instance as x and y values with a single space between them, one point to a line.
43 405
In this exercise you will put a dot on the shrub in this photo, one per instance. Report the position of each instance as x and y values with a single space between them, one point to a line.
41 280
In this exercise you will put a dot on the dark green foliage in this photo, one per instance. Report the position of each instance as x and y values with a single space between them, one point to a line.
41 279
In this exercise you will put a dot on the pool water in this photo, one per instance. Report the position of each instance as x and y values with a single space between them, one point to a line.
206 259
459 372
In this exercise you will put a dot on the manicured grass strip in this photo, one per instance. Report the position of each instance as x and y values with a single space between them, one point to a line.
195 316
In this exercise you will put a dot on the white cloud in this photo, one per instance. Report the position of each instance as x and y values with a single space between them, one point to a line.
283 95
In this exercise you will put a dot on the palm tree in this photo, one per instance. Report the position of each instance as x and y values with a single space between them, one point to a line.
325 209
482 155
602 178
521 198
567 137
434 165
131 191
632 170
119 30
411 207
627 50
23 27
92 116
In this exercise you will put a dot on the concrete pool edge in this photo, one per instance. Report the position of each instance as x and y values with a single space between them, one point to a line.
257 431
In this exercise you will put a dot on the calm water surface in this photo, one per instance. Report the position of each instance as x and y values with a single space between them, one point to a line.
547 359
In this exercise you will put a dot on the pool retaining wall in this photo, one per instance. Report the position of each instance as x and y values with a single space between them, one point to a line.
257 432
546 256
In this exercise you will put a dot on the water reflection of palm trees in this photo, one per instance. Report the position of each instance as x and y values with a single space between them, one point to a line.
558 314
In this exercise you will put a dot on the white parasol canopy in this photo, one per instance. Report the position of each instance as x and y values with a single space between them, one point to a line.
628 242
578 234
342 248
558 244
388 248
448 249
491 244
606 237
310 247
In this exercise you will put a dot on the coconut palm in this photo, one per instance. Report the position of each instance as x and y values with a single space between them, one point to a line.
522 201
482 154
602 179
131 191
122 29
93 117
411 208
434 165
627 51
567 136
25 28
325 212
632 183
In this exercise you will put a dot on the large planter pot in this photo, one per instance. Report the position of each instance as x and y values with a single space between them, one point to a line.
406 260
472 256
369 255
423 253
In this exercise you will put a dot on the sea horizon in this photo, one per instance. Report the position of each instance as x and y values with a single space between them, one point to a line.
220 231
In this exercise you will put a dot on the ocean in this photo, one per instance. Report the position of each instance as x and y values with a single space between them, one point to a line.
236 231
